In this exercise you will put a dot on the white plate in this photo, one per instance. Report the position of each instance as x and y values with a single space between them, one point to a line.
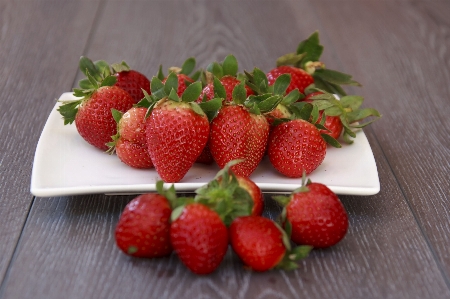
64 164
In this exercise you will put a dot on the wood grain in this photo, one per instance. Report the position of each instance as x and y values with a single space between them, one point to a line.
67 246
397 243
403 63
35 51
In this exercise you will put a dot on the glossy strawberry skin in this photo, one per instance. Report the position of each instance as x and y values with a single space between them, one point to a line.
257 242
255 193
143 229
299 78
131 147
200 238
237 134
317 216
332 123
133 82
229 83
176 136
295 146
94 120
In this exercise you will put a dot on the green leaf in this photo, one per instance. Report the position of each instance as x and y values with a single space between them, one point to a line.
239 93
176 213
312 47
219 90
215 69
109 81
195 76
292 97
157 88
87 66
192 92
173 95
333 111
290 59
281 84
120 67
269 104
68 111
93 81
352 102
188 66
171 83
302 110
160 74
327 86
103 68
315 114
230 66
117 115
331 141
300 252
211 108
361 114
85 84
335 77
260 80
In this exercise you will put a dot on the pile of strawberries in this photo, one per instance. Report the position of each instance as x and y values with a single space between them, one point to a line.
227 211
218 115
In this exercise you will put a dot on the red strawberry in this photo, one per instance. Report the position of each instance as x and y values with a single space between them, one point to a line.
131 81
92 114
238 134
255 193
130 142
227 74
316 215
296 146
300 79
183 75
143 229
262 245
183 80
177 129
200 238
332 123
229 83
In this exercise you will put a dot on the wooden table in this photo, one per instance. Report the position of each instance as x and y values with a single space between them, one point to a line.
397 244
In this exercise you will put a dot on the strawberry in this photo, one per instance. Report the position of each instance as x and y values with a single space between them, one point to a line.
306 69
259 83
262 245
315 214
199 237
333 124
255 193
177 129
226 72
182 75
240 131
237 195
130 142
344 115
296 146
131 81
300 79
143 229
92 113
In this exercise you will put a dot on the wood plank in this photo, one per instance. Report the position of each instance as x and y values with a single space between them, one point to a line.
36 53
68 247
403 63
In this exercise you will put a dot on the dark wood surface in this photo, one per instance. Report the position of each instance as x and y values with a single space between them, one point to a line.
397 244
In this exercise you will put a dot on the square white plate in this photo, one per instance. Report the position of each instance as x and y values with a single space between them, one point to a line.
64 164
